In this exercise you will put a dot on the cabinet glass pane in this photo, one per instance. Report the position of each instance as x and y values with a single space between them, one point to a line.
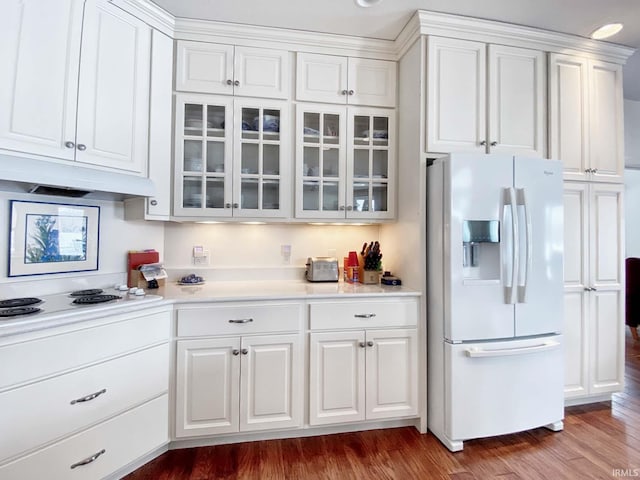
192 161
380 131
215 157
311 124
331 129
270 124
192 192
249 193
380 164
215 121
271 195
379 197
330 196
361 163
193 119
361 197
330 163
250 157
311 196
361 129
271 159
311 167
215 192
250 122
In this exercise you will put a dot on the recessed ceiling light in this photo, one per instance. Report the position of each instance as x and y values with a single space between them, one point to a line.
606 31
367 3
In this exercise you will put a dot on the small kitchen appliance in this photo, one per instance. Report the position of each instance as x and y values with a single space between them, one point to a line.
322 269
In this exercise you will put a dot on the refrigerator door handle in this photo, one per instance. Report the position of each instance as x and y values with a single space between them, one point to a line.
512 249
503 352
526 262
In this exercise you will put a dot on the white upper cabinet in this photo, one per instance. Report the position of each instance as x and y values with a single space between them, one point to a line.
335 79
232 70
39 53
47 81
586 117
485 98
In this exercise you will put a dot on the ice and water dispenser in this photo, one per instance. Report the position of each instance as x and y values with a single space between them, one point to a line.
481 249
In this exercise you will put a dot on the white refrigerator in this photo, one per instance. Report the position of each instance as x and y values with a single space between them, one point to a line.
494 296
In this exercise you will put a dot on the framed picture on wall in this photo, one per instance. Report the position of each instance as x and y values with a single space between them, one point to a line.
47 238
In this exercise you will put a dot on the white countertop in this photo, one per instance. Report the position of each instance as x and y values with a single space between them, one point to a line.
276 290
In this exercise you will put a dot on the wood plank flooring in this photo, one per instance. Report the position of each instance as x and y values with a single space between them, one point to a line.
599 441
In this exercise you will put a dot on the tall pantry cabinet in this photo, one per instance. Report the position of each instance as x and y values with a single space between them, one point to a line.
585 122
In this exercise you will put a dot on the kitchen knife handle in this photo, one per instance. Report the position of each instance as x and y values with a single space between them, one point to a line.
364 315
242 320
88 397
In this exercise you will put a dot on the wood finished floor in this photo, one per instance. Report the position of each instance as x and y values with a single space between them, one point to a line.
599 441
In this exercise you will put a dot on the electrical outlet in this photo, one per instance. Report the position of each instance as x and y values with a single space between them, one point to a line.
285 252
200 255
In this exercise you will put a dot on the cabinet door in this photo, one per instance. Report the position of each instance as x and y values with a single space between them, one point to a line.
207 386
569 114
261 72
113 97
321 78
576 343
371 164
271 382
336 377
606 333
39 53
203 156
607 118
160 120
456 96
371 82
392 373
204 67
517 101
320 161
607 236
261 160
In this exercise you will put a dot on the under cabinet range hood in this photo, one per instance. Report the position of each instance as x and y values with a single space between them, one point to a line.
38 176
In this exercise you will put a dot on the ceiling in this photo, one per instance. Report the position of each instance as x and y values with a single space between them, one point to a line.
385 20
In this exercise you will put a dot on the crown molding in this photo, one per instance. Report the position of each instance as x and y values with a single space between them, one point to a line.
150 13
489 31
280 38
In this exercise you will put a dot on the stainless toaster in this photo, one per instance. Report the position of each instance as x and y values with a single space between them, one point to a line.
322 269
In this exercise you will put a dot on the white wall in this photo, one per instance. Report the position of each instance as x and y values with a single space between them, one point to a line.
632 177
117 237
632 133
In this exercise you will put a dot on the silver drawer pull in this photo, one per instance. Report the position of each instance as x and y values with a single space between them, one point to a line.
364 315
242 320
88 397
86 461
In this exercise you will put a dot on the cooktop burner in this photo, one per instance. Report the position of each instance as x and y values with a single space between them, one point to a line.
13 312
84 293
91 299
19 302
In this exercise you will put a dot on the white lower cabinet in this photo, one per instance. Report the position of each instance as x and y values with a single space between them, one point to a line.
362 375
238 384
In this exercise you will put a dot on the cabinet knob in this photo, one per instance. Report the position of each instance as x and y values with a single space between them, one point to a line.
593 289
245 351
341 208
483 143
153 202
351 92
229 82
235 205
227 205
493 144
236 83
362 344
235 352
588 170
370 343
82 147
344 92
587 289
349 208
69 144
594 170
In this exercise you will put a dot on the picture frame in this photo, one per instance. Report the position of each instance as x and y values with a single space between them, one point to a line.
48 238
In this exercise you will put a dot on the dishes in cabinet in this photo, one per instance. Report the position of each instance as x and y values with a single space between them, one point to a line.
196 123
270 123
375 133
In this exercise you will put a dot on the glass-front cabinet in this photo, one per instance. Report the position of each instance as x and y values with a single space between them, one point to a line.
345 163
230 157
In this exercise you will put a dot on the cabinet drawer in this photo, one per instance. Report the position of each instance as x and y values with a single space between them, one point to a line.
28 360
42 412
239 319
363 314
124 439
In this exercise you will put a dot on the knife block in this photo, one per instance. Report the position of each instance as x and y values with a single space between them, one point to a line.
369 276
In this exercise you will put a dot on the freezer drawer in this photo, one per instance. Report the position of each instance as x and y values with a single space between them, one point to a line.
494 388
